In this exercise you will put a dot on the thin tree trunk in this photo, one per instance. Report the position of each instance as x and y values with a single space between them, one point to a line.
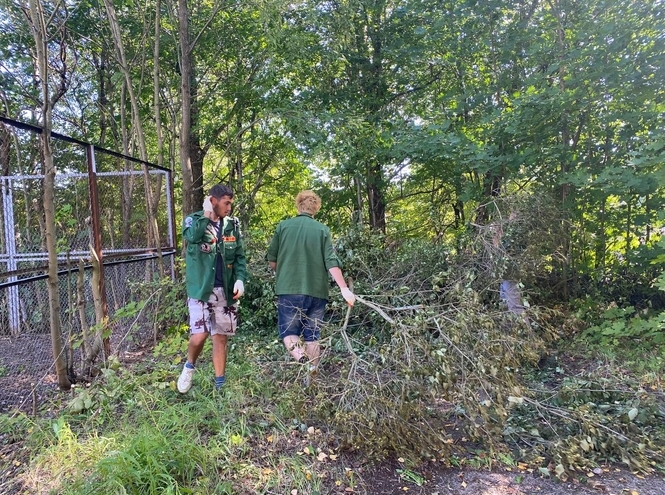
127 189
629 221
38 27
154 205
186 108
153 229
377 204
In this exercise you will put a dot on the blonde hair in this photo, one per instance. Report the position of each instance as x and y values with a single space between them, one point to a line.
308 202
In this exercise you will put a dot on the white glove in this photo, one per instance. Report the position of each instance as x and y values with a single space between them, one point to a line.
238 289
348 296
207 205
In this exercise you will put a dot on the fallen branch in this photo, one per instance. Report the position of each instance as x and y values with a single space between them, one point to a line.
376 308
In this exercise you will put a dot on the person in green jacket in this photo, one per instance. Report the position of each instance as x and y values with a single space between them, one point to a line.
215 271
302 255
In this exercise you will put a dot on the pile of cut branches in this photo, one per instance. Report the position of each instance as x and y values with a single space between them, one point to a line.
424 348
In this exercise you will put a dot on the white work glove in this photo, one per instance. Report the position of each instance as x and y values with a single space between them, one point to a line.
348 296
207 205
238 289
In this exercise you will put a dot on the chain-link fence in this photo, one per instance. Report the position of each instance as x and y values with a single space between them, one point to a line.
107 205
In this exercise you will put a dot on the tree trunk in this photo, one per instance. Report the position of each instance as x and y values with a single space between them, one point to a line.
127 189
38 27
196 154
152 231
377 203
186 108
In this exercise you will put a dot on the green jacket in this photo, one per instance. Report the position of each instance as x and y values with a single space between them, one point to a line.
202 248
303 251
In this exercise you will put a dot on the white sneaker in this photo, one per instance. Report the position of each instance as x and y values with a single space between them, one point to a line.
185 380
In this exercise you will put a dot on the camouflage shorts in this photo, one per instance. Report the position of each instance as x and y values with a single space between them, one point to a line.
213 316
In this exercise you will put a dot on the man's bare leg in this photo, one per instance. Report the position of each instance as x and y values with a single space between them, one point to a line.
219 353
313 351
195 346
292 344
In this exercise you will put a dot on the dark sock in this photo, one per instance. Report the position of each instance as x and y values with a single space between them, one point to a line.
219 381
189 365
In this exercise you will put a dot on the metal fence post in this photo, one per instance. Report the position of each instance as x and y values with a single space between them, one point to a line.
10 239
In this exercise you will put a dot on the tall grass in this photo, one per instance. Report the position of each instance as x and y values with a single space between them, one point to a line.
140 436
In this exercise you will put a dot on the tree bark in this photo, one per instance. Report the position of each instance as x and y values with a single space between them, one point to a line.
186 108
38 27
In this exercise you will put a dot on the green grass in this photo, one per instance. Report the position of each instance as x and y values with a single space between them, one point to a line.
138 435
131 432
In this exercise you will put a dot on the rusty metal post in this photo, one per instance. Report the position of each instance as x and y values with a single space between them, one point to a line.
97 234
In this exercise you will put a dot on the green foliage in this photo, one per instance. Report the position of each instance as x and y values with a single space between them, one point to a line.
83 401
625 325
258 311
622 324
148 460
13 428
164 300
141 436
443 347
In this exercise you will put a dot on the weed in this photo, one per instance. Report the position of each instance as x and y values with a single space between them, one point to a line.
412 476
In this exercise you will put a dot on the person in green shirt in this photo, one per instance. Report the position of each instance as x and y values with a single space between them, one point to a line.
215 270
302 255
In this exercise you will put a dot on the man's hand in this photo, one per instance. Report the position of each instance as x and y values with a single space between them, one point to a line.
348 296
238 289
208 210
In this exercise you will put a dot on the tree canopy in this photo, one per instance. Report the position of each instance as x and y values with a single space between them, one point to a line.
410 117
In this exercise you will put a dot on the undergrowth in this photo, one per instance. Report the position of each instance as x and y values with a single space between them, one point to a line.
428 366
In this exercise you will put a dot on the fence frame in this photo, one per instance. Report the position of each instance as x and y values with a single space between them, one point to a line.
11 258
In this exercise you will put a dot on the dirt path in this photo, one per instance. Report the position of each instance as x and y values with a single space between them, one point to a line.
611 481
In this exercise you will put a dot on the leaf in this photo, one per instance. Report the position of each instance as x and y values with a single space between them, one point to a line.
632 414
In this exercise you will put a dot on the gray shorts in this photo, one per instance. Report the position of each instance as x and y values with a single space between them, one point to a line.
213 316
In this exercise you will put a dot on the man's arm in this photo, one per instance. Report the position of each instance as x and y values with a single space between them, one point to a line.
240 266
194 228
273 249
336 273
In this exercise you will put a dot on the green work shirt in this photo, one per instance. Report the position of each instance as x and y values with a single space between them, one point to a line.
303 251
201 258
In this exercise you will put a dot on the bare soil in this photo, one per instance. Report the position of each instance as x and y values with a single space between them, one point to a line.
386 480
